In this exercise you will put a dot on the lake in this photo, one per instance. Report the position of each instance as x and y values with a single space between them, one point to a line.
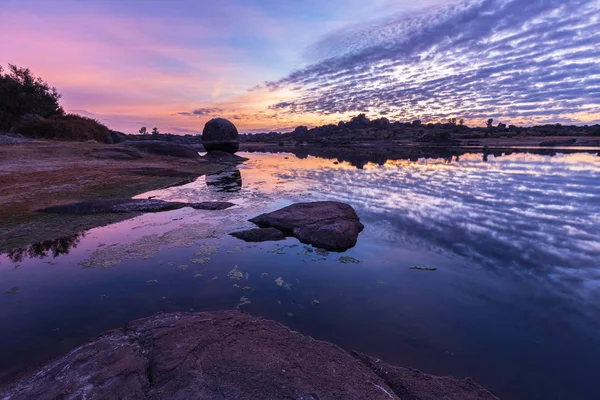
508 292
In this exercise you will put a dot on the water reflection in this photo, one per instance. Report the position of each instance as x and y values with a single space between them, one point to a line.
229 181
516 292
360 157
54 248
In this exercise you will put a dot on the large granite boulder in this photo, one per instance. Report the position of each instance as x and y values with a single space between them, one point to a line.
220 134
225 355
330 225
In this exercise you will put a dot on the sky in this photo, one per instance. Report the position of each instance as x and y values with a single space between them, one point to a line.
275 64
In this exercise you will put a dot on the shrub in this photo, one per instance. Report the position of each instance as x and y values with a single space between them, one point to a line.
71 127
21 93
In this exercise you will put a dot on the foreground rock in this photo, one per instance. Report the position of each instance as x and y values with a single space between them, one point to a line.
329 225
131 205
220 134
225 355
259 235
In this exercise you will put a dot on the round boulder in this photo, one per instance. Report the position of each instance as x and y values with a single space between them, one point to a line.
220 135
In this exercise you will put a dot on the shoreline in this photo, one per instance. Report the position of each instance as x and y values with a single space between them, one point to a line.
44 173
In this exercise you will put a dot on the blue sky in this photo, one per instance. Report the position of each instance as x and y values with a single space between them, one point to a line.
151 62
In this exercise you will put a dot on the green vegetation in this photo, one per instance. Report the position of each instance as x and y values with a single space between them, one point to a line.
21 94
70 127
29 106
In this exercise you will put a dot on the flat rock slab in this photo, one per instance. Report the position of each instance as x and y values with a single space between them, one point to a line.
329 225
259 235
117 153
163 148
131 205
224 355
223 157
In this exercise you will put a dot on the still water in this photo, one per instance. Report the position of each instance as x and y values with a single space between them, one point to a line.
514 301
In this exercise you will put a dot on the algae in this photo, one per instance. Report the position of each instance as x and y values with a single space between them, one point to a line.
235 274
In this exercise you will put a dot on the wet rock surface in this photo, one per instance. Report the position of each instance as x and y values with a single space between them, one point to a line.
131 205
259 235
225 355
163 148
329 225
223 157
220 134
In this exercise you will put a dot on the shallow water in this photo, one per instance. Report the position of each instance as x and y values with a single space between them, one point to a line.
514 302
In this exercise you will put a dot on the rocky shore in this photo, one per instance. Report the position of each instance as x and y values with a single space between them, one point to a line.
226 355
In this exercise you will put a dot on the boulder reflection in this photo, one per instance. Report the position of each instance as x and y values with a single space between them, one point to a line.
229 181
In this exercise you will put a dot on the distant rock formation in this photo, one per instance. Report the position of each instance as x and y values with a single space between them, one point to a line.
226 355
259 235
220 134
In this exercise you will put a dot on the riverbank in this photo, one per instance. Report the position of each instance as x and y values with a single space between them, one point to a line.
46 173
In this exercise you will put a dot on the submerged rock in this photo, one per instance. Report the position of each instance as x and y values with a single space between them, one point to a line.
330 225
131 205
225 355
220 134
259 235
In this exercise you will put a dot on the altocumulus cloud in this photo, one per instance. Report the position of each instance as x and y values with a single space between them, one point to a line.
523 60
201 112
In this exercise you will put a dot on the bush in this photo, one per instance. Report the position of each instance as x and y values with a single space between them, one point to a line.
71 127
21 93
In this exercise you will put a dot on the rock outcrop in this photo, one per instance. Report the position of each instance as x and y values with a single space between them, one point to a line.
116 153
329 225
225 355
130 205
220 134
163 148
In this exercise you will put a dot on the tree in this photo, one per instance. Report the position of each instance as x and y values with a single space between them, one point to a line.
143 130
462 122
453 121
21 93
489 123
155 131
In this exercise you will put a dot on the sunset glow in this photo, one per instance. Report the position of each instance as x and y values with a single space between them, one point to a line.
270 65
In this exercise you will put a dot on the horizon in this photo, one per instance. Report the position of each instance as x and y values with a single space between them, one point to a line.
271 66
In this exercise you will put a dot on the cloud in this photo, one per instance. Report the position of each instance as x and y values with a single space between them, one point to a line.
522 60
201 112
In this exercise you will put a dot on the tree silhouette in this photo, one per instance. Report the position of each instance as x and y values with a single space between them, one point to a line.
143 130
21 93
155 131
